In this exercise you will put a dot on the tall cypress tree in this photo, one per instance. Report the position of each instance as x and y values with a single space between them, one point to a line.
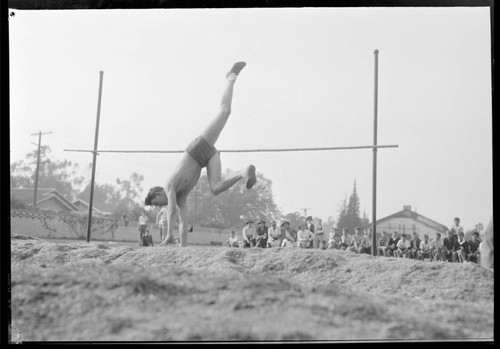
349 212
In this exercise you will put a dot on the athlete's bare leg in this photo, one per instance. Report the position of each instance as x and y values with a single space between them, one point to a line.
211 134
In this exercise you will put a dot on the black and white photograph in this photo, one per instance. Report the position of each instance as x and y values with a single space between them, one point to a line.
211 174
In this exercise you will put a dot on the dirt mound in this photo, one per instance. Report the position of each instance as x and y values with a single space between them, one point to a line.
102 292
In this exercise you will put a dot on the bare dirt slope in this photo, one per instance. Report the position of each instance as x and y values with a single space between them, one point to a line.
100 292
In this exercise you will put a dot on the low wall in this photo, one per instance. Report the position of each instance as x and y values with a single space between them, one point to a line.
55 225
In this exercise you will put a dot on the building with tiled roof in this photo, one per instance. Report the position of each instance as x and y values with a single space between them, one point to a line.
408 221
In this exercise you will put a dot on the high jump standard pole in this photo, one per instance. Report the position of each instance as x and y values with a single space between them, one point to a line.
374 195
89 224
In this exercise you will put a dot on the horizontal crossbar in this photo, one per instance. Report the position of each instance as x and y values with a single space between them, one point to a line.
238 150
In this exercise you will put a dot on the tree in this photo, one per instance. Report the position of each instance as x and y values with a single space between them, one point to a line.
349 212
64 176
120 199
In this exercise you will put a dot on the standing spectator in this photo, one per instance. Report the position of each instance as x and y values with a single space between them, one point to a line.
160 217
309 224
486 249
425 249
318 234
462 248
383 242
249 234
147 239
345 239
403 247
334 239
143 225
261 234
274 235
414 246
473 255
286 232
450 247
125 219
456 227
437 249
233 240
304 237
358 241
392 245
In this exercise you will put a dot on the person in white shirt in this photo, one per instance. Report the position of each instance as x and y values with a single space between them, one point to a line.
274 235
143 225
403 247
233 240
456 227
334 240
425 249
437 248
159 220
249 234
304 237
319 232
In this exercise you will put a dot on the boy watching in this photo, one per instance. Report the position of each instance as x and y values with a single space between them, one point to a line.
463 248
382 244
403 247
450 247
425 249
414 246
392 245
473 255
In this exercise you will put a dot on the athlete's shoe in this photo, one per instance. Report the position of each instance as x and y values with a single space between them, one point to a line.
236 68
250 175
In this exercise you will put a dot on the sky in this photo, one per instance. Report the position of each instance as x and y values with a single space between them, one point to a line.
309 82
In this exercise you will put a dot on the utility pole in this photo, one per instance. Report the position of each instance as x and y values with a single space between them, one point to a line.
38 163
305 212
96 138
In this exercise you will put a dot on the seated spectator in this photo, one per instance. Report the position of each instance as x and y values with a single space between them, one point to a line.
403 247
368 242
147 239
286 232
249 234
463 248
383 242
274 237
473 255
345 239
261 235
304 237
425 249
334 239
358 241
233 240
392 245
450 247
414 246
437 249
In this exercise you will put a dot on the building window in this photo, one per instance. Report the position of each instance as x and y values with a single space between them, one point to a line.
414 228
389 226
404 228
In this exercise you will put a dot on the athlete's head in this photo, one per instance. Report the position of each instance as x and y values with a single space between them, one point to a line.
156 197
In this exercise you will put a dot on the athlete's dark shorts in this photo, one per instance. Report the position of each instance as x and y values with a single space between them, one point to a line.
201 151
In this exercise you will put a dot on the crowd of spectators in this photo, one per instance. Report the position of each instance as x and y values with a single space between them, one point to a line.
452 248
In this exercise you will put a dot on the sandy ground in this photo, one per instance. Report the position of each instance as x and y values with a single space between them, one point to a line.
79 291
